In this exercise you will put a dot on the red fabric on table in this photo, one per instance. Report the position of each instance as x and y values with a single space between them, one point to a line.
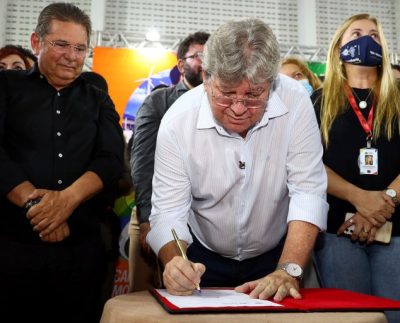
314 300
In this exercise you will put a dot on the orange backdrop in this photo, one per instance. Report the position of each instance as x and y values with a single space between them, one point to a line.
125 69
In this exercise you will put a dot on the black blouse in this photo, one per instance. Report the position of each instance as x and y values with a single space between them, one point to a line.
346 137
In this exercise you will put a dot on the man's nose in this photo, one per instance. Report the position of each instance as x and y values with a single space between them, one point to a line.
71 52
239 106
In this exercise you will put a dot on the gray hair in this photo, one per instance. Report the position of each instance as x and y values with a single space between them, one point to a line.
242 49
64 12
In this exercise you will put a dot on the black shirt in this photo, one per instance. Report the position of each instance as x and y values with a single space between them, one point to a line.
346 137
51 138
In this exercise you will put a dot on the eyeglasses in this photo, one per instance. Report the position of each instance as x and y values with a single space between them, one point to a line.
198 55
62 47
249 103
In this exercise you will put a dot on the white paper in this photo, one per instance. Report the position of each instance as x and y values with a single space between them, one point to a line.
215 298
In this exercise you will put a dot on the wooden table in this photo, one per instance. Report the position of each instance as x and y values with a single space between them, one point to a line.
142 307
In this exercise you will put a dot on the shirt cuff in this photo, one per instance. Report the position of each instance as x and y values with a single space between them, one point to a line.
309 208
160 234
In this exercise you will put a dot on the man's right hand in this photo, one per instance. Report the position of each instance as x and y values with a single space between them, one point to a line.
59 234
54 208
181 276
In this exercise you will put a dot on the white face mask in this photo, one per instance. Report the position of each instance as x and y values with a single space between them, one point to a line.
307 86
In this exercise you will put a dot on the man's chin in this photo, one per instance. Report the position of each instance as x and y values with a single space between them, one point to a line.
68 73
237 127
67 78
195 81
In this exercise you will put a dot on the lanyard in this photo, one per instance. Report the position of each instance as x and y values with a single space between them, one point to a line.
367 125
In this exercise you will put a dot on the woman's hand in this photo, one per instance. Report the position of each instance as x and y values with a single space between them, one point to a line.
376 206
363 231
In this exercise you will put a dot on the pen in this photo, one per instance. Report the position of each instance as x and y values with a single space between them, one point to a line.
183 253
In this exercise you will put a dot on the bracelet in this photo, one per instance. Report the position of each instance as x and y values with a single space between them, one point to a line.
30 203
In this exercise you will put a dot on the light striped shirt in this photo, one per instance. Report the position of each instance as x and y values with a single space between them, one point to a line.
238 212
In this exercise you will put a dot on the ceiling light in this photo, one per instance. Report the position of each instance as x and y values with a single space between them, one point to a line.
153 35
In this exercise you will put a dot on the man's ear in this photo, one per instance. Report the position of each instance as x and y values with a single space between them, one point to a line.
180 65
35 43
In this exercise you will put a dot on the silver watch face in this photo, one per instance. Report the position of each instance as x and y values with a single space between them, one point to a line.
294 270
391 192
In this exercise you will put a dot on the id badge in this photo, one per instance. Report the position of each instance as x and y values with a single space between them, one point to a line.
368 161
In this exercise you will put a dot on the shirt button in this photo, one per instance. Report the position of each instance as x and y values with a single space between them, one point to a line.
59 134
60 155
59 181
58 111
58 93
41 76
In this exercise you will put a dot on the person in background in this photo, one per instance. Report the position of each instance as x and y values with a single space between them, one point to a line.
32 58
159 86
14 58
298 70
146 127
216 151
61 148
358 109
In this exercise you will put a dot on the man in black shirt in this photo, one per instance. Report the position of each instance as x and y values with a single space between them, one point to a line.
61 145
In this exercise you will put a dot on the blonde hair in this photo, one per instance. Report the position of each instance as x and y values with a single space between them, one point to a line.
334 100
312 78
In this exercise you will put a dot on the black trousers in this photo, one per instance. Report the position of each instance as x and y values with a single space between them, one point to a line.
225 272
51 282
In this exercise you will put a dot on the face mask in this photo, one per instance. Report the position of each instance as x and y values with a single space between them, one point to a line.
364 51
307 85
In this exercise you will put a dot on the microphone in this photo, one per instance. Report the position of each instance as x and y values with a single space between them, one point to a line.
242 165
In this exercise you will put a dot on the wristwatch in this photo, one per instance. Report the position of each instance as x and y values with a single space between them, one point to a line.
393 194
292 269
30 203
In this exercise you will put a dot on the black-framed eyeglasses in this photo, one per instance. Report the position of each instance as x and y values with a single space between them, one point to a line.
62 47
198 55
226 101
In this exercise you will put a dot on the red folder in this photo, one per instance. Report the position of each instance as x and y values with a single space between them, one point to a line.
314 300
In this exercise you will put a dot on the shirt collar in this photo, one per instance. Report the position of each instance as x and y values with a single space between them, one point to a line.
275 108
206 118
181 86
34 70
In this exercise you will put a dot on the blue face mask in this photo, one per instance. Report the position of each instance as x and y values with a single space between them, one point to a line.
364 51
307 85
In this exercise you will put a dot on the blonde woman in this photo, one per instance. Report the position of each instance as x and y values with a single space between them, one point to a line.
358 109
298 70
